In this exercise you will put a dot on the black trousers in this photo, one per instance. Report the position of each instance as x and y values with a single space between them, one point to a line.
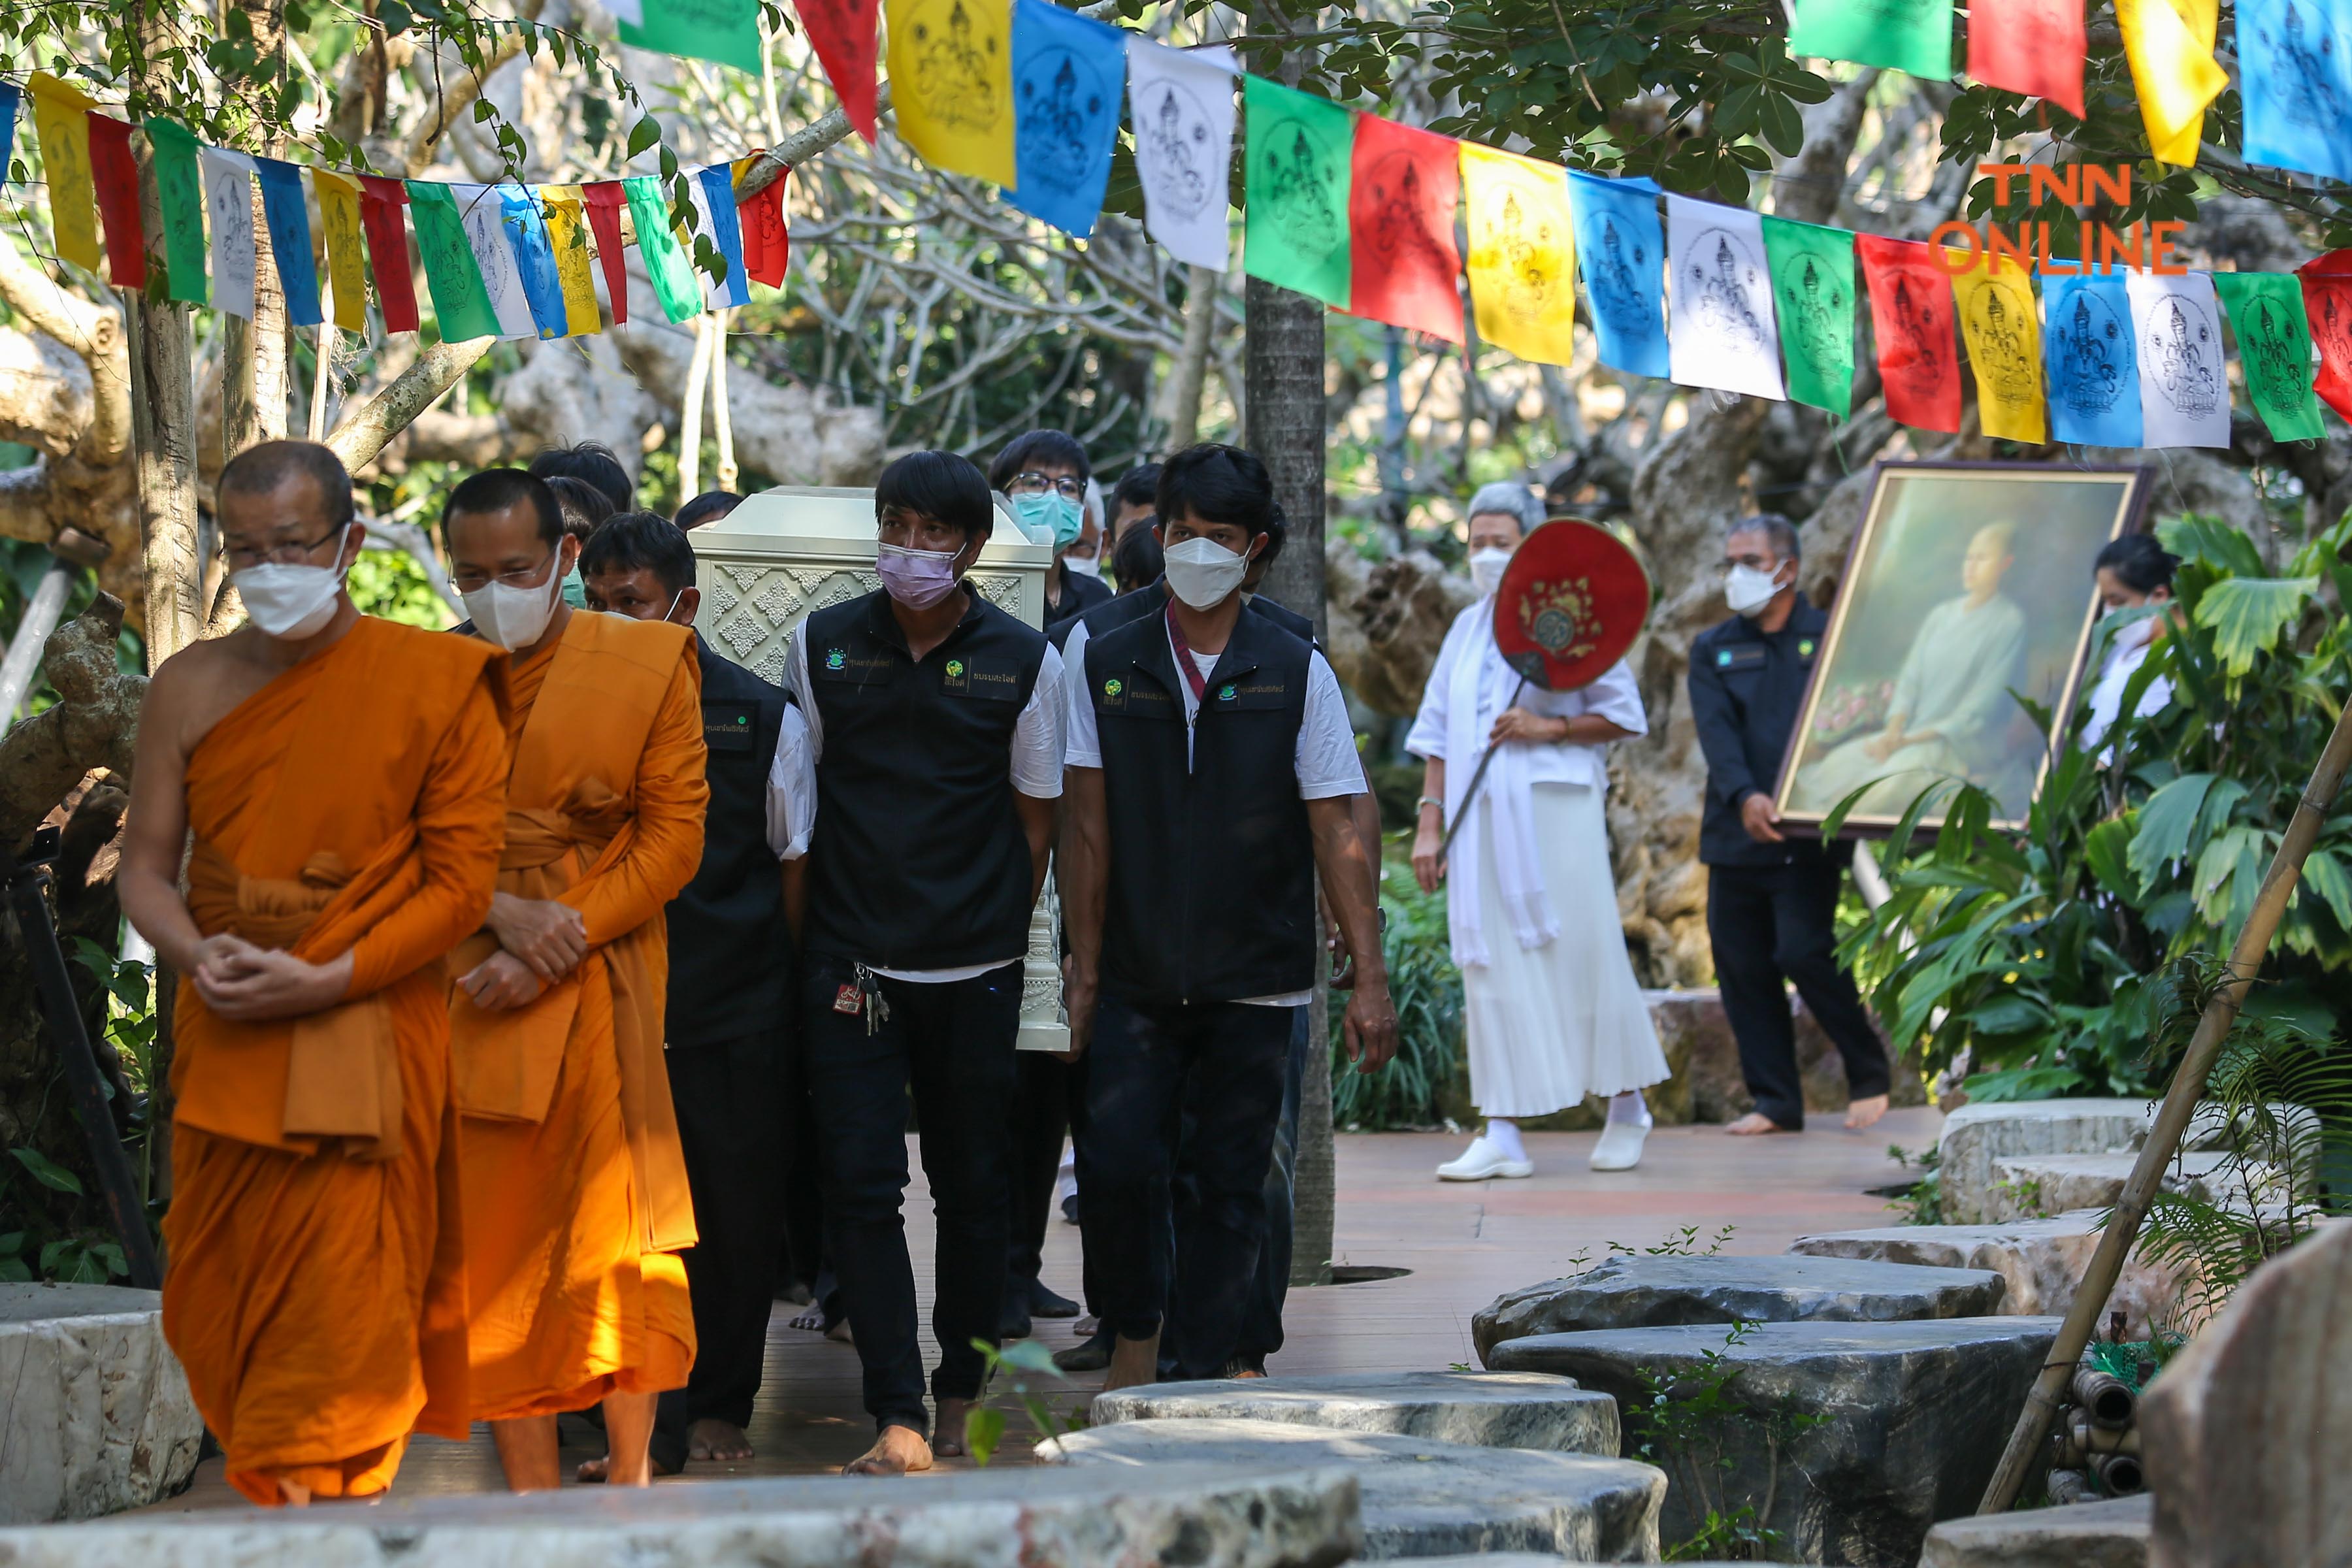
1769 925
1222 1064
1041 1115
951 1046
731 1121
1261 1334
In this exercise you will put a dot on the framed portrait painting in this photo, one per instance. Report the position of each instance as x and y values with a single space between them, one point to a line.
1968 585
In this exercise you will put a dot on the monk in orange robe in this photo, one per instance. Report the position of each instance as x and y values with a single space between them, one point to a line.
345 781
576 1200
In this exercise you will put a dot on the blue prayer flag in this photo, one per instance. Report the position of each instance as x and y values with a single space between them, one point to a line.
10 93
289 216
2295 66
725 229
1620 247
2092 372
542 284
1068 73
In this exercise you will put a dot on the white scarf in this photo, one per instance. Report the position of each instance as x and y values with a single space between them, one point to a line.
1479 690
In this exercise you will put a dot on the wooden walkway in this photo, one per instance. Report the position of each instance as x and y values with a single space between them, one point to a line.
1463 1245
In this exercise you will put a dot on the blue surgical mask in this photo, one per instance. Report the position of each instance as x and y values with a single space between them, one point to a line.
575 591
1052 510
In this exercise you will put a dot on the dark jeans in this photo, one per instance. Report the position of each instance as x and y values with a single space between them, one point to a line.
1261 1334
952 1045
1219 1064
1769 925
1041 1115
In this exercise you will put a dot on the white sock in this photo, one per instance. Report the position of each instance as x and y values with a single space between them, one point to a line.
1504 1134
1628 1107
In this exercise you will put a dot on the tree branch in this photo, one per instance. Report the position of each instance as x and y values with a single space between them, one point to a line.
92 725
364 429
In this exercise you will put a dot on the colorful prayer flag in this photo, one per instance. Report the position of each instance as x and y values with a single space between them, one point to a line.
534 259
1719 300
951 84
2093 370
767 242
1914 35
843 33
1812 291
339 217
714 192
286 212
1067 73
2031 46
2184 386
1180 102
1621 251
10 98
180 201
1403 187
673 276
2294 72
1911 320
115 174
1998 318
567 238
61 125
228 205
1296 218
451 273
603 200
380 199
2170 46
1522 257
727 31
482 210
2274 348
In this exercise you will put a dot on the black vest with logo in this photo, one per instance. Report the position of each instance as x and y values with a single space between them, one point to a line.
1212 892
919 861
730 948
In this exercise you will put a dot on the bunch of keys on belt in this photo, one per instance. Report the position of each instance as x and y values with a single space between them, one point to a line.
865 996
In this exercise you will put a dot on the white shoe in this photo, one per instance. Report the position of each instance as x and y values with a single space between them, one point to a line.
1620 1148
1481 1162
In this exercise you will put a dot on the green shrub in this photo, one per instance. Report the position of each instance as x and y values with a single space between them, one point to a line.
1427 990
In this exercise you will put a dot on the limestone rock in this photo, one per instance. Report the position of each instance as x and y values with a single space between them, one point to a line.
1487 1409
97 1414
1195 1517
2041 1260
1422 1498
1911 1419
2111 1534
2244 1431
1652 1292
1975 1135
2032 1186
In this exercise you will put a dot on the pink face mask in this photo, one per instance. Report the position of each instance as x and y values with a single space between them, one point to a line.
915 578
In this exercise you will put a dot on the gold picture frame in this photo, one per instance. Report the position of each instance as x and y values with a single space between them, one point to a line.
1917 682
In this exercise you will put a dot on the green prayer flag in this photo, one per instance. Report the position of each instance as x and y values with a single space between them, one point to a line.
179 195
1913 36
460 302
674 281
1813 287
2274 350
1300 147
727 31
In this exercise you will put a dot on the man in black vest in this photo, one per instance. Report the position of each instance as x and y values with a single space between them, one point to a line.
728 1019
935 734
1191 917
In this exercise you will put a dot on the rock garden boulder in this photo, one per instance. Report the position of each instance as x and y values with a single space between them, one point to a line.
1488 1409
1974 1136
2112 1534
1654 1292
1849 1440
1422 1496
97 1414
2041 1260
2033 1186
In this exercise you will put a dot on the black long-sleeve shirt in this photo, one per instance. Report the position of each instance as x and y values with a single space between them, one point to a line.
1746 686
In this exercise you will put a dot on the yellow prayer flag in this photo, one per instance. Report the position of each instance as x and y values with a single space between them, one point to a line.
568 237
2170 46
1521 260
339 215
950 70
1998 319
62 124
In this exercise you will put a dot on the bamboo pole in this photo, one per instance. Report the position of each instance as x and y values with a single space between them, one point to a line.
722 420
689 417
2172 1118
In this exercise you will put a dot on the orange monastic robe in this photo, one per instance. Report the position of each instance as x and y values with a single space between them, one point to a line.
316 1287
575 1187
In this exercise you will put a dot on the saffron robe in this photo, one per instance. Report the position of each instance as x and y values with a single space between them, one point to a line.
576 1199
316 1290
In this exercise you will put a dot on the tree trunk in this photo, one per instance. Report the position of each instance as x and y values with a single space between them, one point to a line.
163 433
1190 376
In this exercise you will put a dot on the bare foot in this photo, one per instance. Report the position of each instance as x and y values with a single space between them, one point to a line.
811 1317
897 1451
710 1439
595 1472
839 1333
1132 1362
1088 1327
1863 1112
947 1431
1755 1125
1246 1373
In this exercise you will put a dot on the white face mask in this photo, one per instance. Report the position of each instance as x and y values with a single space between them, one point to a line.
1747 590
1084 566
291 601
1203 573
1486 568
514 617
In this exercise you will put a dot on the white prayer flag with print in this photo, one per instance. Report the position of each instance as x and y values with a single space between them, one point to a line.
2184 383
228 209
483 212
1181 105
1720 328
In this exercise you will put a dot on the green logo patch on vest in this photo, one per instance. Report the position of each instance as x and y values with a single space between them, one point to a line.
1723 659
1225 692
835 659
1805 648
1112 688
955 667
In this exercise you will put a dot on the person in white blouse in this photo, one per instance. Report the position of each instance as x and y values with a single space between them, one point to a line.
1554 1012
2133 573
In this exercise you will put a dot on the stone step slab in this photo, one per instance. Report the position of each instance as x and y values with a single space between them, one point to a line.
1912 1420
97 1413
2111 1534
1422 1496
1975 1135
2032 1186
1487 1409
2040 1261
1653 1292
1180 1516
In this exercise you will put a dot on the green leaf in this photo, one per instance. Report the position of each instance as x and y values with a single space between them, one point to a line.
643 134
47 1172
2106 850
2195 537
2164 825
2324 875
394 16
983 1430
1028 1355
2248 614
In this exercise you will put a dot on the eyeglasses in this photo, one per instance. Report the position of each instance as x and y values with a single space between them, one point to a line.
1069 487
1751 560
466 582
244 560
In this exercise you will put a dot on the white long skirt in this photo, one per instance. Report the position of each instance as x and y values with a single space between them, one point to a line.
1550 1025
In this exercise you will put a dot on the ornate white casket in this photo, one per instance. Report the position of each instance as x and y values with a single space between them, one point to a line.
786 552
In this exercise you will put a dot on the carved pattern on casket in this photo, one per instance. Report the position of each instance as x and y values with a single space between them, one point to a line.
1004 591
743 634
778 600
744 575
770 666
722 599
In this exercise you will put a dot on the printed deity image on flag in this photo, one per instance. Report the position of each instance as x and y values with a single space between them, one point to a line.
1721 327
2266 312
2184 385
1290 174
2094 373
2296 74
1617 269
957 55
1176 167
1064 97
1720 288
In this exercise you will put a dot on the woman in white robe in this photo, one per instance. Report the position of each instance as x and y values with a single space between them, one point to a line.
2134 573
1553 1010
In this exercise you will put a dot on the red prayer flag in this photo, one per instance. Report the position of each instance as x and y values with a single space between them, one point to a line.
602 198
1405 186
2328 301
380 199
116 174
1911 318
2032 47
767 243
843 36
